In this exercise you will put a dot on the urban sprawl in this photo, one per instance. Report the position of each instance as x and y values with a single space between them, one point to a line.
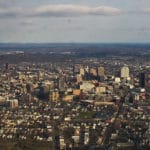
87 103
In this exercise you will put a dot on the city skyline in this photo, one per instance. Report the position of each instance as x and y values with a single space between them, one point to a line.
68 21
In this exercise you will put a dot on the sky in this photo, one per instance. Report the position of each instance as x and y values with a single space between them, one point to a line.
84 21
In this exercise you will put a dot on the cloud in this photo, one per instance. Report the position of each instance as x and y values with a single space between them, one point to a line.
60 10
12 12
75 10
146 10
26 22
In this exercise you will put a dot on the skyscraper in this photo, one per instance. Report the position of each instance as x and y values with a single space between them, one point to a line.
101 71
144 79
82 71
6 66
125 72
61 84
93 71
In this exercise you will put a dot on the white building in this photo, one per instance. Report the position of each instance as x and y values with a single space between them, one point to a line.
82 71
125 72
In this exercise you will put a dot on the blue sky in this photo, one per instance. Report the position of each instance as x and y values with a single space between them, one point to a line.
75 21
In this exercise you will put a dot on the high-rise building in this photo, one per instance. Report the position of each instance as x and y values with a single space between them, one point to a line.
93 71
14 103
40 75
61 84
87 69
6 66
125 72
144 79
101 71
79 78
82 71
53 95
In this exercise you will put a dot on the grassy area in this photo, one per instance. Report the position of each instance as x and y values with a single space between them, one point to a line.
86 115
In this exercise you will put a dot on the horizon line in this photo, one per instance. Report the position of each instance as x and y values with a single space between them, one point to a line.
74 42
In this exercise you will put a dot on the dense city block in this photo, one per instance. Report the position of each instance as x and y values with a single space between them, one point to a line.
75 98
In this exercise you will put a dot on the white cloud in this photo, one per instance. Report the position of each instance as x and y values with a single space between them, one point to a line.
60 10
65 10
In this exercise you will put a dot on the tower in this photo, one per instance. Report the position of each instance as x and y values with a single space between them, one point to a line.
79 78
93 71
144 79
82 71
61 84
101 71
125 72
6 66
